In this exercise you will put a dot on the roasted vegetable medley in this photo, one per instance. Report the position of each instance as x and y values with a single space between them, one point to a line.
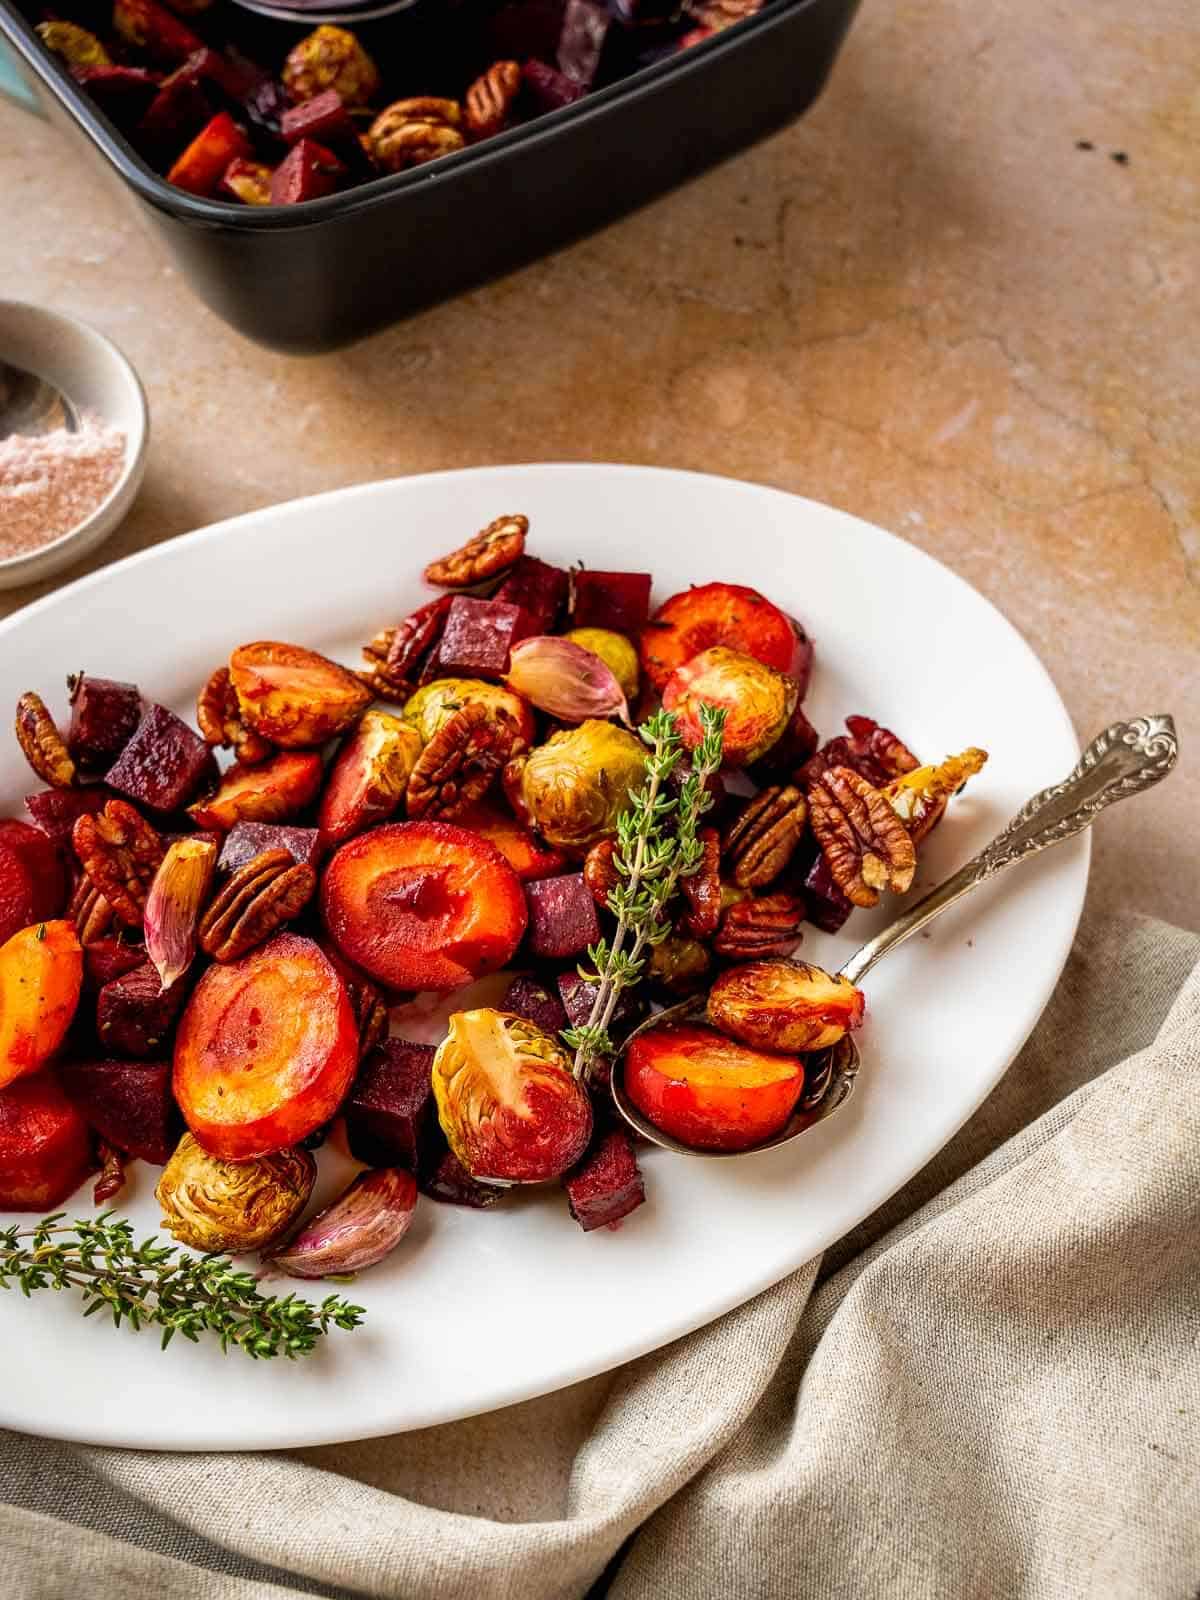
206 964
263 124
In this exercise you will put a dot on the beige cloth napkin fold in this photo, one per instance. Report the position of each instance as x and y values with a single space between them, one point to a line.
991 1389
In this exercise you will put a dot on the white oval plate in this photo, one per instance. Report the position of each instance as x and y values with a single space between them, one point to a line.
477 1310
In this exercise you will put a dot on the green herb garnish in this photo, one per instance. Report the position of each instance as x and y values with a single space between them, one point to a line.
657 845
155 1284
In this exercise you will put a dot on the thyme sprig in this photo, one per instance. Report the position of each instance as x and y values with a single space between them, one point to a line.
156 1284
657 845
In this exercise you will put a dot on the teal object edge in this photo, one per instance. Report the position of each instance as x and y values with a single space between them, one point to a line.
13 85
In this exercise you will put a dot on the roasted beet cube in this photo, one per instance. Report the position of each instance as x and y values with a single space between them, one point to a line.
127 1102
448 1180
124 94
479 635
581 42
245 840
539 588
43 867
606 1185
616 600
106 959
577 995
134 1013
104 715
532 999
323 118
307 172
264 106
55 811
391 1104
174 117
164 764
548 88
825 906
562 917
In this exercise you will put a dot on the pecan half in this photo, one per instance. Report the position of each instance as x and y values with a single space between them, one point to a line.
41 743
89 911
457 766
599 872
702 888
489 99
259 898
491 552
764 836
220 720
865 844
120 853
410 132
767 925
377 675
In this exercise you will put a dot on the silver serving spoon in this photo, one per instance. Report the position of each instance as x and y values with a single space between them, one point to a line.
1122 761
30 406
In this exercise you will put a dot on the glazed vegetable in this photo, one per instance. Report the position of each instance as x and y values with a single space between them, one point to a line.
432 706
266 1049
757 701
45 1145
507 1100
709 1091
784 1005
41 975
615 650
218 1206
573 788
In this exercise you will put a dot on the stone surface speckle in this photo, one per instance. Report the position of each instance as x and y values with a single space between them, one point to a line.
923 303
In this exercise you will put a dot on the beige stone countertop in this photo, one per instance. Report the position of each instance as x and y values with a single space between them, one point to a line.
959 298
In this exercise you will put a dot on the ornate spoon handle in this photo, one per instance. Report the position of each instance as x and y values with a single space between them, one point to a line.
1125 759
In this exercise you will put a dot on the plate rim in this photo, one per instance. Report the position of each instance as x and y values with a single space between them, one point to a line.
270 1438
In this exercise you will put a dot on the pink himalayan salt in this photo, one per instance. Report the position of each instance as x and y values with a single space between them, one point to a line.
50 484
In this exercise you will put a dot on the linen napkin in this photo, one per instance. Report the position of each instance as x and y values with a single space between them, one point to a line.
991 1388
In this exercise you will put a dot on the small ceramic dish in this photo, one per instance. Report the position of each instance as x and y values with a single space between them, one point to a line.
93 373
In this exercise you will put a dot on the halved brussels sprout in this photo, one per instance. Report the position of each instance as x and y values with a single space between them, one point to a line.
508 1102
573 788
216 1205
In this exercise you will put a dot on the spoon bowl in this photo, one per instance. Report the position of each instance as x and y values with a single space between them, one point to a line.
30 406
1122 761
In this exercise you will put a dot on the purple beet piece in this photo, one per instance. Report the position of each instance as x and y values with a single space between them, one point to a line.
825 906
134 1013
390 1105
577 995
616 600
264 106
549 89
123 93
104 715
127 1102
530 998
448 1180
540 588
607 1185
55 811
562 917
479 635
324 117
245 840
790 751
106 959
164 764
176 114
581 42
